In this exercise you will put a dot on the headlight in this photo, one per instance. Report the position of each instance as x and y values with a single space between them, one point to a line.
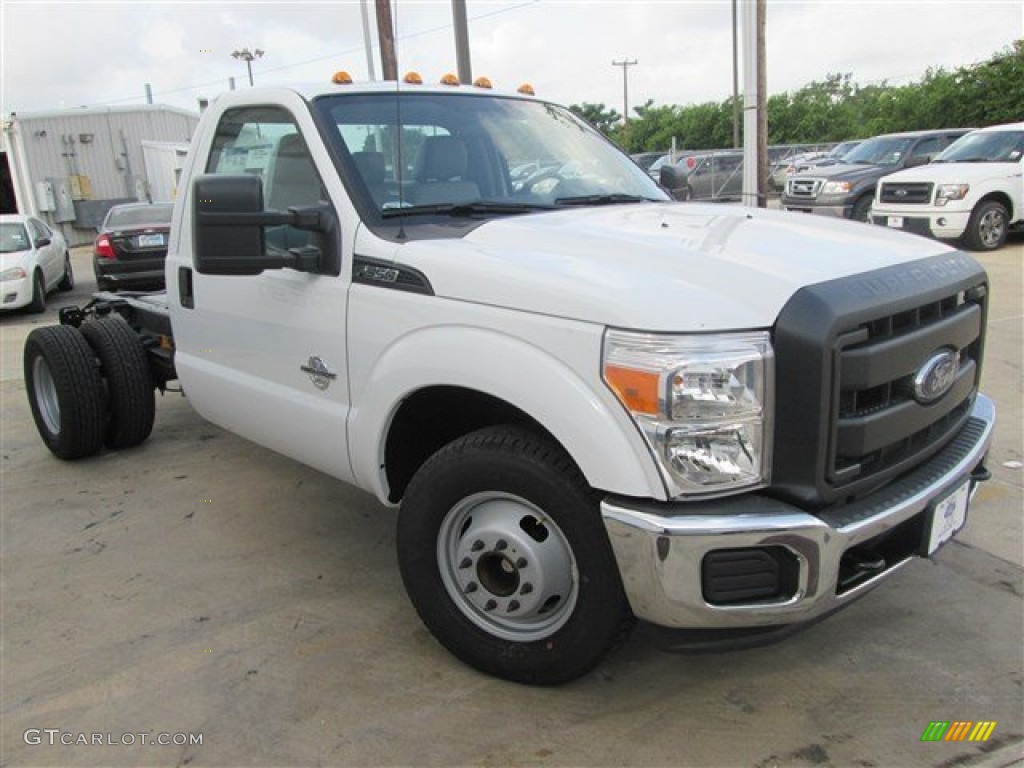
15 273
835 187
947 192
703 403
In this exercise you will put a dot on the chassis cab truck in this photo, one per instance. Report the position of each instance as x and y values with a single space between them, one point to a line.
592 404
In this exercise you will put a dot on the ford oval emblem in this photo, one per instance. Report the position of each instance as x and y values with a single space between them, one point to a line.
935 378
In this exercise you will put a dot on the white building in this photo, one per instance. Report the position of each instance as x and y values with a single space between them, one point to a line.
69 166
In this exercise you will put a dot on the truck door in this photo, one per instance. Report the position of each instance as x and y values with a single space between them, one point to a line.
264 356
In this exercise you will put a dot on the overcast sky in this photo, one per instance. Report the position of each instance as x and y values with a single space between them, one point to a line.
68 54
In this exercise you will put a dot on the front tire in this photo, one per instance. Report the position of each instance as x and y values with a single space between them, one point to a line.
65 391
988 227
38 303
504 556
861 209
67 282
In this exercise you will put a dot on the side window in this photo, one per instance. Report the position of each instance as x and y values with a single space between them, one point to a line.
928 147
265 142
36 230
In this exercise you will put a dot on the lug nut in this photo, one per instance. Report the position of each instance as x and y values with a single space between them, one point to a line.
527 589
471 587
477 546
490 605
466 562
513 606
501 545
521 562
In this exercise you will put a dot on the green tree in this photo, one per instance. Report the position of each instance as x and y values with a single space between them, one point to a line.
598 115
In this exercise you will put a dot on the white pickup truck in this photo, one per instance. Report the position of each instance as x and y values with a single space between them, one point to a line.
973 191
593 404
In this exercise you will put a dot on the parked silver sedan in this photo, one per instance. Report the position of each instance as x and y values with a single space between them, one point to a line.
34 261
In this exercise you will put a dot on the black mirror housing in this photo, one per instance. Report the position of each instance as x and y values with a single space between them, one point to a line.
228 221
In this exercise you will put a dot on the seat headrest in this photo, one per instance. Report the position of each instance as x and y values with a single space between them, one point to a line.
443 158
370 165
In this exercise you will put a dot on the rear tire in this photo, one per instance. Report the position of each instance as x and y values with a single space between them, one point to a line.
503 554
123 362
988 227
38 303
65 391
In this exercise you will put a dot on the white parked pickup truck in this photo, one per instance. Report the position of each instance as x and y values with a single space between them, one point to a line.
593 404
973 191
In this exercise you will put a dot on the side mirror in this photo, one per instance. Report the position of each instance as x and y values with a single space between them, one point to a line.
42 242
229 223
915 160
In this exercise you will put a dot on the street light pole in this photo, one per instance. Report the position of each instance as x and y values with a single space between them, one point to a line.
625 64
248 57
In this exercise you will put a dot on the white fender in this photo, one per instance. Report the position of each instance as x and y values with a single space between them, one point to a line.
591 425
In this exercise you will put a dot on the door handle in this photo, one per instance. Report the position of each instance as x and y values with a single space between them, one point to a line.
185 295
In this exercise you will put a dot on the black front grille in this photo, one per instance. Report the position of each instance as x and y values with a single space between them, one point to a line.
879 423
848 415
906 192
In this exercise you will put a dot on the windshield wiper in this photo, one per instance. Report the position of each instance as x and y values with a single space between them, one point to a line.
610 199
464 209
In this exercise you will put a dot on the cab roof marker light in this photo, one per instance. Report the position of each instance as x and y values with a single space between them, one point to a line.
483 82
412 78
450 79
341 77
526 89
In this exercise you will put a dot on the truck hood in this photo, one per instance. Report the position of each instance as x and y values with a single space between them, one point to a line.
958 173
656 267
845 172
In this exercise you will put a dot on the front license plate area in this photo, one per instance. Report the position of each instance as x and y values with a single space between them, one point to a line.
896 222
946 517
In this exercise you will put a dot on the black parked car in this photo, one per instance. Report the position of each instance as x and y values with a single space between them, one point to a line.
131 247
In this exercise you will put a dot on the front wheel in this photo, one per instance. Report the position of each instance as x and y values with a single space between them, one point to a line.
38 303
504 556
67 281
987 228
861 209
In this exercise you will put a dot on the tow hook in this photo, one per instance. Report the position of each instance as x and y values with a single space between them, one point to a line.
859 565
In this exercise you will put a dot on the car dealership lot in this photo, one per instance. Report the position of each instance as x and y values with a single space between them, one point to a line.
202 586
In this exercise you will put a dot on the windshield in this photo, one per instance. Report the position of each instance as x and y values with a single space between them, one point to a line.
13 237
985 147
879 151
473 155
133 216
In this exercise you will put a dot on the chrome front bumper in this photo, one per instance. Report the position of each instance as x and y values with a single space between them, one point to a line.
660 547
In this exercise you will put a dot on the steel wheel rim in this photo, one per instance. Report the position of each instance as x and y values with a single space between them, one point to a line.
991 228
46 395
507 566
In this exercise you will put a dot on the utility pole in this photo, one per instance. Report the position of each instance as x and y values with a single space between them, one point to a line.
735 81
755 118
762 107
462 41
366 39
625 64
386 36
